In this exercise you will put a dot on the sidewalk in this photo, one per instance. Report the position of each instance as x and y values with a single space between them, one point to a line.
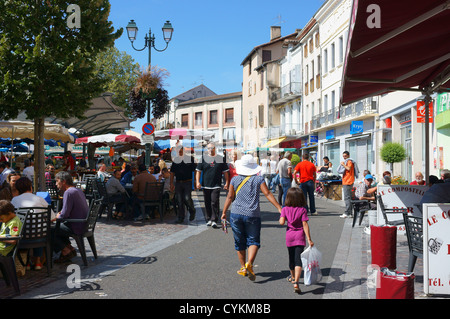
351 266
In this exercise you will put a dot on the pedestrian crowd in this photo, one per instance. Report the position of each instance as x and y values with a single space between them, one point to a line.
243 178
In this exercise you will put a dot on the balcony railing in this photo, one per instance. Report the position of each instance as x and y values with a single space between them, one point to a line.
345 113
286 93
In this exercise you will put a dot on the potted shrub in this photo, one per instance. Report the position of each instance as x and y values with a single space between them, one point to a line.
392 153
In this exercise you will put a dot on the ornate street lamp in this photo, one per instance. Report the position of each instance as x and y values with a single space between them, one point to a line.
132 31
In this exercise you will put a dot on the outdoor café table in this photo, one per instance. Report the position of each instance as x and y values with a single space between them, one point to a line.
332 188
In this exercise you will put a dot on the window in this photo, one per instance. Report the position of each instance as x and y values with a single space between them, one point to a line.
198 118
266 55
184 120
229 115
325 103
213 117
262 80
317 39
261 115
250 66
341 49
311 45
333 55
325 61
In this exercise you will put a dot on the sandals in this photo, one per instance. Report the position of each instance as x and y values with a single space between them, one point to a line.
66 258
118 215
296 289
242 271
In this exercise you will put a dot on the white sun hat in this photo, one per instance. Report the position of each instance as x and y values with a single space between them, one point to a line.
247 166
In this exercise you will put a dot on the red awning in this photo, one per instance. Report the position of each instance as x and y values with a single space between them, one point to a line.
410 49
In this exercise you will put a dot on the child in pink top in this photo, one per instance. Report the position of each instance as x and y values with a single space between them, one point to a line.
297 231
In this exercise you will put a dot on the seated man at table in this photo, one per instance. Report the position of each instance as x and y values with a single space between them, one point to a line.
139 183
74 207
117 194
364 191
129 176
25 199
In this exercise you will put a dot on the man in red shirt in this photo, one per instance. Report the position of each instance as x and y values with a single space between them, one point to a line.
307 172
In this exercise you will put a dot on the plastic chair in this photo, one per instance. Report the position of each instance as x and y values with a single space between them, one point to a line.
359 208
103 196
153 196
54 193
36 231
8 264
89 190
88 232
414 234
385 211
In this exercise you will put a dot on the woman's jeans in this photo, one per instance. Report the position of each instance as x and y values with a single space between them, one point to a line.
246 231
285 184
308 191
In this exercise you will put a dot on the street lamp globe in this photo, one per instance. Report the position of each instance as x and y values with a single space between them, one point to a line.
167 31
132 30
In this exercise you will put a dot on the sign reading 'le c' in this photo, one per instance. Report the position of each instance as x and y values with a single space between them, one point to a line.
148 129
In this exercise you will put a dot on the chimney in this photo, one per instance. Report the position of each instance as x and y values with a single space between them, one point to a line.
275 32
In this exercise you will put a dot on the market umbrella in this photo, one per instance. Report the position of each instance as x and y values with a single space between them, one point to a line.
108 139
181 133
25 129
407 50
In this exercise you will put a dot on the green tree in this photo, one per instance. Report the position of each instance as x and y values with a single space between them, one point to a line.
392 153
119 72
46 67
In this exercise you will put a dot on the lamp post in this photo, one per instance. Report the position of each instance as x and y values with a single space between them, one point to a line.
132 30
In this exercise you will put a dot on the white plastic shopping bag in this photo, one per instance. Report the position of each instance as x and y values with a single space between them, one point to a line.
311 259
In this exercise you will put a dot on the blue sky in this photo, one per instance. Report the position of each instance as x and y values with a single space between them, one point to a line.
210 39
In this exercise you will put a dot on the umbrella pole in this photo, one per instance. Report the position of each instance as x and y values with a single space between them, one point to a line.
427 136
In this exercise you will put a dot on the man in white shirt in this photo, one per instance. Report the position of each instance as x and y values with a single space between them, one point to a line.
28 171
102 174
25 199
117 194
5 171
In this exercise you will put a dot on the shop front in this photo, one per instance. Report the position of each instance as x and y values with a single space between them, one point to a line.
442 149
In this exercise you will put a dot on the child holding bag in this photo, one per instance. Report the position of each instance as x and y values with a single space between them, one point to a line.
295 214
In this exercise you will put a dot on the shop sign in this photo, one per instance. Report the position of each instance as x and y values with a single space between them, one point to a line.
313 139
329 134
443 102
421 112
436 249
356 127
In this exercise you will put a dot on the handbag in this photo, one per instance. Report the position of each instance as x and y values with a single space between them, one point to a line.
395 285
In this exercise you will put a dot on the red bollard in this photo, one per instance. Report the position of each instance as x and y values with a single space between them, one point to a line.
383 242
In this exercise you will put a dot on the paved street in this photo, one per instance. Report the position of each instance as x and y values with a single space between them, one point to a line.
168 261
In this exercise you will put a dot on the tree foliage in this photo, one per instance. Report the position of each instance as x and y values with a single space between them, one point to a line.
47 68
392 153
119 72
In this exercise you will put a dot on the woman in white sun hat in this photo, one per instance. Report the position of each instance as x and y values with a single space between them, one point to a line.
245 217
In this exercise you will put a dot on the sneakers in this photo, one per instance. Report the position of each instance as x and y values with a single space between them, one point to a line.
250 273
214 225
209 223
343 216
191 216
315 214
37 267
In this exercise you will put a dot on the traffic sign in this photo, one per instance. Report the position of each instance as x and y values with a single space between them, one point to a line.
148 129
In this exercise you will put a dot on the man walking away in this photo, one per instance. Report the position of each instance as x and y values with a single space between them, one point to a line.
284 168
307 172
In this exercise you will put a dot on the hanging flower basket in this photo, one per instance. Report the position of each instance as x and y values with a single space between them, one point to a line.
149 81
